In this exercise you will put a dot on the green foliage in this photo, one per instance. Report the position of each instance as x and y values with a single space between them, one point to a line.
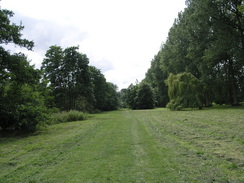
69 76
22 109
207 40
105 93
132 92
11 33
241 8
75 85
99 85
111 97
67 83
140 96
69 116
185 91
21 103
156 77
123 97
145 96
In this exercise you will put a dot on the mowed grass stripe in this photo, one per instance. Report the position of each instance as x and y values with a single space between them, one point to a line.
81 156
131 146
28 160
173 159
151 161
106 157
199 157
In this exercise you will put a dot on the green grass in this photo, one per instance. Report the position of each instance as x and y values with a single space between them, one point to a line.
131 146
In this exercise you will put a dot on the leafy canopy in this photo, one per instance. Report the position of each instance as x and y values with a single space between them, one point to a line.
184 91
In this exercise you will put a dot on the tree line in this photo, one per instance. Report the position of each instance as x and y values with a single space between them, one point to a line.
202 60
74 85
65 82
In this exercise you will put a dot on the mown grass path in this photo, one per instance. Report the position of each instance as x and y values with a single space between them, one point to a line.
131 146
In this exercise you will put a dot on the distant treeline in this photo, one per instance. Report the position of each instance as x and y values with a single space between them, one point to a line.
202 60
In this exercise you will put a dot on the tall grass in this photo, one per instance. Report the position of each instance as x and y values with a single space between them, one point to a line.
69 116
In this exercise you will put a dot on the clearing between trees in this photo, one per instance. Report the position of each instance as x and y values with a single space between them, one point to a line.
131 146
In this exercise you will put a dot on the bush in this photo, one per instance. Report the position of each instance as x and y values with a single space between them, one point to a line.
69 116
22 109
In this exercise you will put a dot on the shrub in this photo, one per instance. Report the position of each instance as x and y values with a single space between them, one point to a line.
22 109
69 116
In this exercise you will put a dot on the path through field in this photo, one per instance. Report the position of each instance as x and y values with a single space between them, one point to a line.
131 146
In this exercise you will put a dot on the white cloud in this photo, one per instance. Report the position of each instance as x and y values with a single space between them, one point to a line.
119 36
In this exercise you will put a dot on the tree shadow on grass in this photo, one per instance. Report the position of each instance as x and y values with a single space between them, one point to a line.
11 136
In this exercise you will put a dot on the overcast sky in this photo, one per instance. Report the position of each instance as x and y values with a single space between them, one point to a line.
120 37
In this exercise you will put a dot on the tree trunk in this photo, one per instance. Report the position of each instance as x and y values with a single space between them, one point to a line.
233 84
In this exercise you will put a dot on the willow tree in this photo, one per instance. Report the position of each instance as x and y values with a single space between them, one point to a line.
184 90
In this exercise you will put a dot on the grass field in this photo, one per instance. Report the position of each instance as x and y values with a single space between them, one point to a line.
131 146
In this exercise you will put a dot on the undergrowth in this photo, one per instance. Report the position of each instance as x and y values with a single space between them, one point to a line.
72 115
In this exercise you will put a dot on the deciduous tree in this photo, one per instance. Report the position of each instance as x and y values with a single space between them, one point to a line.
145 96
21 104
185 91
69 76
